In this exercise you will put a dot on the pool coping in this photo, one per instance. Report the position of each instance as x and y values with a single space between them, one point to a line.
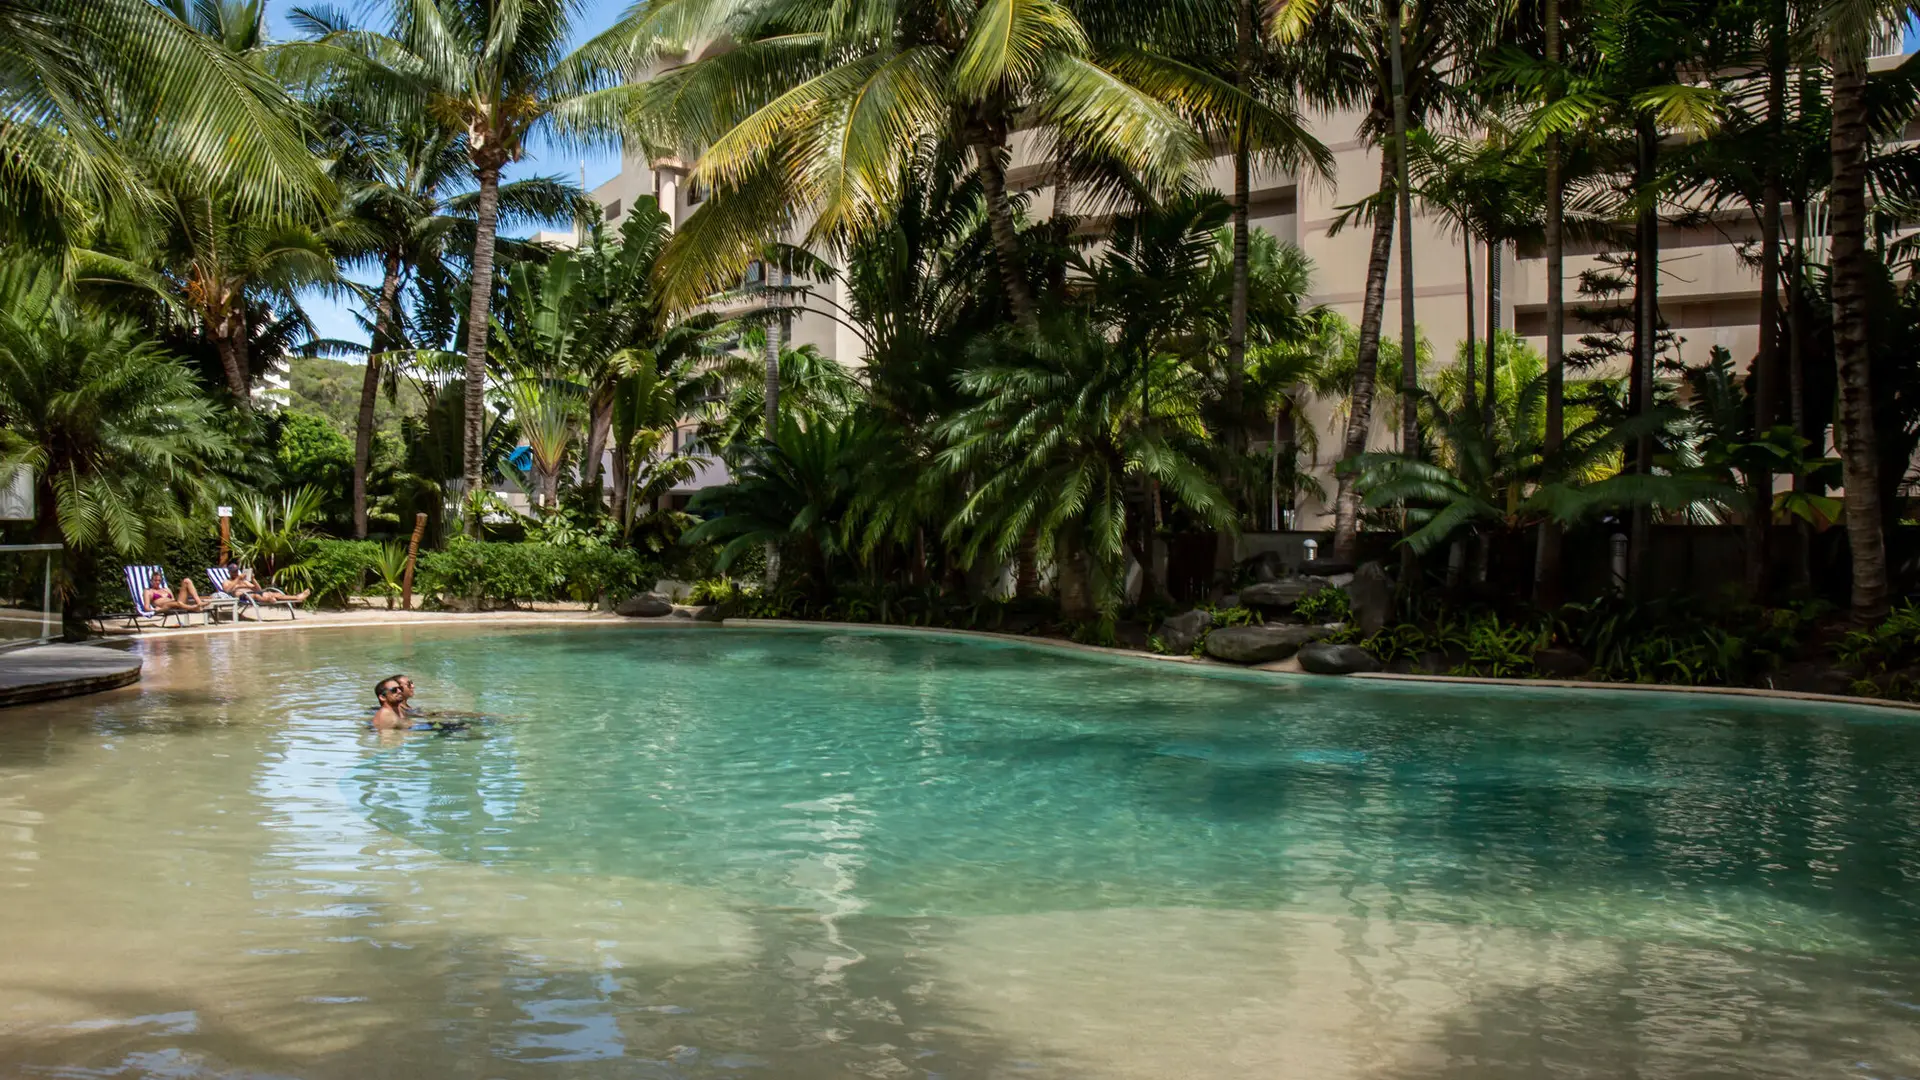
607 619
1760 693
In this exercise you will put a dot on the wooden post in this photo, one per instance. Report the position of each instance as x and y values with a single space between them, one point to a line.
226 525
413 552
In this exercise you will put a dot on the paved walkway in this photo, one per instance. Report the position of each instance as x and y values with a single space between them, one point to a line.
42 672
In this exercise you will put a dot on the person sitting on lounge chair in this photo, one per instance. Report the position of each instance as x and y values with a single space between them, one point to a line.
241 582
162 601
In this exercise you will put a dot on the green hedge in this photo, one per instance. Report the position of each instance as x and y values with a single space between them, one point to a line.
338 569
503 573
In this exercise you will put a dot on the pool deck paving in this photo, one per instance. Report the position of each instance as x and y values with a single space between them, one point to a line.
45 672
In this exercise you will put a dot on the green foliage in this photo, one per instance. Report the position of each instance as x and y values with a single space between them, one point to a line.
275 537
337 569
1328 605
311 452
125 441
1887 656
1650 643
523 573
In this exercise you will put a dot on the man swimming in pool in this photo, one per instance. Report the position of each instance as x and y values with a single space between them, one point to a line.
392 714
449 718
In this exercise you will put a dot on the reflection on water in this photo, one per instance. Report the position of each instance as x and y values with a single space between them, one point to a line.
803 855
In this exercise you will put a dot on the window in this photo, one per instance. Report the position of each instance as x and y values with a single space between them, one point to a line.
613 209
756 272
696 194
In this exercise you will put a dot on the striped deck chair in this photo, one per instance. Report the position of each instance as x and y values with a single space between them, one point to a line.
218 601
137 578
219 576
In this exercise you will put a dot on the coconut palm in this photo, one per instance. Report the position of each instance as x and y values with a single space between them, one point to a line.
408 190
90 87
122 442
1406 66
499 74
1846 28
223 273
817 110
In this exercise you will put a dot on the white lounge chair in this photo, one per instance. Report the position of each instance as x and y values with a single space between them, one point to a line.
219 576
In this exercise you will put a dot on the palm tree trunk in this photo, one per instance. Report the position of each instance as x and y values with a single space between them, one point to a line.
479 305
1859 448
384 339
1546 563
1490 399
1006 243
772 390
230 344
599 427
617 468
1473 338
1409 345
1242 184
1646 329
1765 378
1346 506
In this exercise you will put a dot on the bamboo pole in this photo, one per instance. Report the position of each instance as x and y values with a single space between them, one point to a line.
413 552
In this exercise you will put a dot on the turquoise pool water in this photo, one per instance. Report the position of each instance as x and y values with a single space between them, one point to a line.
879 854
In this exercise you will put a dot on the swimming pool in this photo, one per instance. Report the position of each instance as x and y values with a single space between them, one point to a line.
809 853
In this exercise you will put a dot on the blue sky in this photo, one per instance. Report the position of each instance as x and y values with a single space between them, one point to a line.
335 318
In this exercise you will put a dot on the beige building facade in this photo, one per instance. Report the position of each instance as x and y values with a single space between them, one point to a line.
1709 290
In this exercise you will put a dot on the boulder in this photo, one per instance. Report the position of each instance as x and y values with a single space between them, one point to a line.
1232 599
1370 599
1266 566
1260 644
647 605
708 613
1326 567
1280 595
1177 633
1322 658
1559 663
676 591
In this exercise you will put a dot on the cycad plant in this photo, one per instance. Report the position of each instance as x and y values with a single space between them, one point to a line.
123 443
275 536
1057 445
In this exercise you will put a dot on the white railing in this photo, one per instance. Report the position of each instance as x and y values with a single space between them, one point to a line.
21 623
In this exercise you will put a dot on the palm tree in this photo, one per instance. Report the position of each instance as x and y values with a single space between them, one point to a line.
1847 30
209 252
117 431
822 126
1054 443
654 391
408 191
500 75
90 87
1352 48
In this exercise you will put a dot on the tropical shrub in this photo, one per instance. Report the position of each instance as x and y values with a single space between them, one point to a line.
337 569
1886 654
502 573
1326 606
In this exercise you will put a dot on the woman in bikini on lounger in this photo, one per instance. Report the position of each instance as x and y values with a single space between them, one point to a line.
240 582
161 601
